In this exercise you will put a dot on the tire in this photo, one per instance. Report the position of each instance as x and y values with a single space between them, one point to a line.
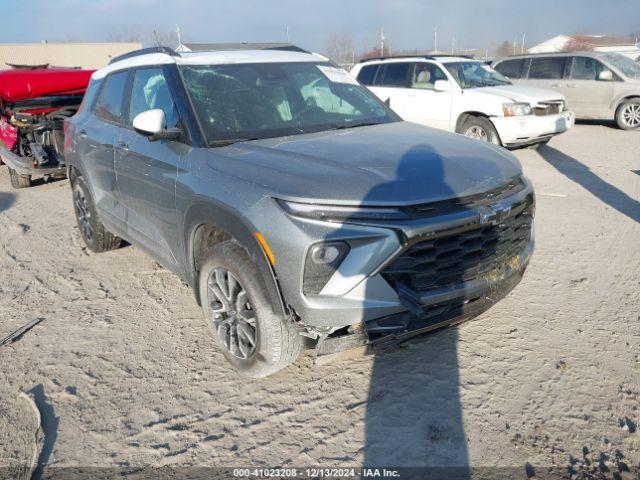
628 114
19 181
276 343
480 128
95 235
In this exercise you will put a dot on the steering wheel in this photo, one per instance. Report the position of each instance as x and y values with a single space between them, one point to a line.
309 109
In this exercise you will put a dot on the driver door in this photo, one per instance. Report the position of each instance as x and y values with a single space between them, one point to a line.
146 171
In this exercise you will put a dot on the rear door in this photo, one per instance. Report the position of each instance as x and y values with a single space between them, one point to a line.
96 139
586 95
146 171
391 85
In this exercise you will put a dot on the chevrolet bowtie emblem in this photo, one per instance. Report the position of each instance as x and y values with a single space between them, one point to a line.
492 214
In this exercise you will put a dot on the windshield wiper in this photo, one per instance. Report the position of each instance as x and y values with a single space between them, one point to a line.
356 125
229 141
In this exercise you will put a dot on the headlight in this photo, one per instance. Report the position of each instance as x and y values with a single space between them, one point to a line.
516 109
323 259
339 213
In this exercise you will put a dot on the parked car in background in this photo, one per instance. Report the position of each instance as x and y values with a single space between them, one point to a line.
602 86
295 203
33 106
466 96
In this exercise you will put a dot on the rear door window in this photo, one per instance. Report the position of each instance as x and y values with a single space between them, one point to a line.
511 68
367 74
394 74
547 68
110 101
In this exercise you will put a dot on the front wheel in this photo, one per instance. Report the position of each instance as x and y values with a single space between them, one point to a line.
253 339
480 128
18 180
628 115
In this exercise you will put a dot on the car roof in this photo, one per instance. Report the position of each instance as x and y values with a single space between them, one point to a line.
222 57
419 58
555 54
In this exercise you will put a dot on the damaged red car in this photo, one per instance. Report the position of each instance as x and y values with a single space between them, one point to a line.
33 106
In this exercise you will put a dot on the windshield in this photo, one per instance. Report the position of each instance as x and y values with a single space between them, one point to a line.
253 101
628 67
475 74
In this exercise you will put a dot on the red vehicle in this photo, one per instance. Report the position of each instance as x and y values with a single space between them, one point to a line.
33 106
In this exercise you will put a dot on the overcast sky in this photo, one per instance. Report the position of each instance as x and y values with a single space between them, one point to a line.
407 23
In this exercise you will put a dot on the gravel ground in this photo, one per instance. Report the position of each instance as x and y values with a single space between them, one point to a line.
124 372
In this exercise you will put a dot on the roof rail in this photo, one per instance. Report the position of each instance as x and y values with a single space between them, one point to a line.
215 47
145 51
426 57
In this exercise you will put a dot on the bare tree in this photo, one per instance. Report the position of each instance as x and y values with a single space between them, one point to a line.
339 48
504 50
124 34
148 36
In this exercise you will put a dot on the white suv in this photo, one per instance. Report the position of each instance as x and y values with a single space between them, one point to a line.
466 96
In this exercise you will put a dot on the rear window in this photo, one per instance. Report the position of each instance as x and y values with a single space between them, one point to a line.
547 68
367 74
90 95
109 105
394 74
511 68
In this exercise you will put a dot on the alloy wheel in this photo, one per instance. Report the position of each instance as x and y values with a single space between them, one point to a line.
477 132
232 314
631 115
84 214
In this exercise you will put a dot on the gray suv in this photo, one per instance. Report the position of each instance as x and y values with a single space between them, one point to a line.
302 211
602 86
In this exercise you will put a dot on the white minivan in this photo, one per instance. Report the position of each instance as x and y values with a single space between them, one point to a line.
466 96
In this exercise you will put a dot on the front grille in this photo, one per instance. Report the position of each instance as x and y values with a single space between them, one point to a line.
548 108
454 205
447 260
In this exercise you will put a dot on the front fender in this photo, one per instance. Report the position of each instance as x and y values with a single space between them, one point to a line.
208 212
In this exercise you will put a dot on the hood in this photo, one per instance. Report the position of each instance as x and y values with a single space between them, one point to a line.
396 163
520 93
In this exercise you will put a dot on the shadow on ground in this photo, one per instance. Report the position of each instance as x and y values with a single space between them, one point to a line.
6 200
579 173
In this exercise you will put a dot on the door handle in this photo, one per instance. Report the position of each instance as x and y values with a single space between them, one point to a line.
123 147
555 85
571 85
82 134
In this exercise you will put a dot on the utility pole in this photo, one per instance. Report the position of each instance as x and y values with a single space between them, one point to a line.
179 34
288 36
453 45
515 45
382 42
523 36
435 39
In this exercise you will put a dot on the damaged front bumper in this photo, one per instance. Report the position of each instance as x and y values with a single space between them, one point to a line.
445 277
443 309
531 129
27 166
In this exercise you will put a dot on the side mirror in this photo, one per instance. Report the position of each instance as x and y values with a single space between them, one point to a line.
442 86
605 76
152 125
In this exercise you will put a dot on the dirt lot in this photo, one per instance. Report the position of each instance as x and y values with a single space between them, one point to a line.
125 373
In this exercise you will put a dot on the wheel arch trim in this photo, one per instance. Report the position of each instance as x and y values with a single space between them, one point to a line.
207 214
